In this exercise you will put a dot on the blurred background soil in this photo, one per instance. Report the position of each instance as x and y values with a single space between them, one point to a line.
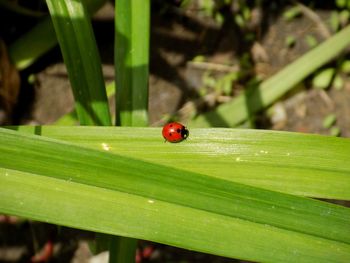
177 37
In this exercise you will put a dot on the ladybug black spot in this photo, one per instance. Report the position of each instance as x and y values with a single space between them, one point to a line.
178 131
170 134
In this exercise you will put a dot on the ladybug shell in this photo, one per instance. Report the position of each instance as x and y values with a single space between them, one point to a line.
174 132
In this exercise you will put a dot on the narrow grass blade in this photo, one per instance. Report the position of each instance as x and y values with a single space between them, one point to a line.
301 164
108 193
240 108
131 61
131 45
75 35
122 249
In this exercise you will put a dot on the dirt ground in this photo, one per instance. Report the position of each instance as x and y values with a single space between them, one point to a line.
176 39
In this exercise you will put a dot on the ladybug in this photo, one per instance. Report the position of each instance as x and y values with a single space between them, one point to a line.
174 132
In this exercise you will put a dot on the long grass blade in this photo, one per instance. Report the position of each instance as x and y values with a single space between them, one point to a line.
301 164
131 61
77 42
119 195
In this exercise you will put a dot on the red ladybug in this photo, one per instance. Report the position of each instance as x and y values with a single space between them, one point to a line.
174 132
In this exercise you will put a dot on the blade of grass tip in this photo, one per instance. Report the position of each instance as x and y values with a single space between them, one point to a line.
233 113
75 36
144 200
27 49
131 61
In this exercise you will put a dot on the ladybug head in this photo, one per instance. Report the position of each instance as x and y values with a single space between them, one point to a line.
184 133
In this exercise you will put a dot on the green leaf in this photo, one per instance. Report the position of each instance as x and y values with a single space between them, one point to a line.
323 79
311 41
341 3
290 41
329 120
335 131
308 165
292 13
110 193
132 18
253 100
131 45
78 46
334 20
345 67
71 118
122 249
344 16
338 82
